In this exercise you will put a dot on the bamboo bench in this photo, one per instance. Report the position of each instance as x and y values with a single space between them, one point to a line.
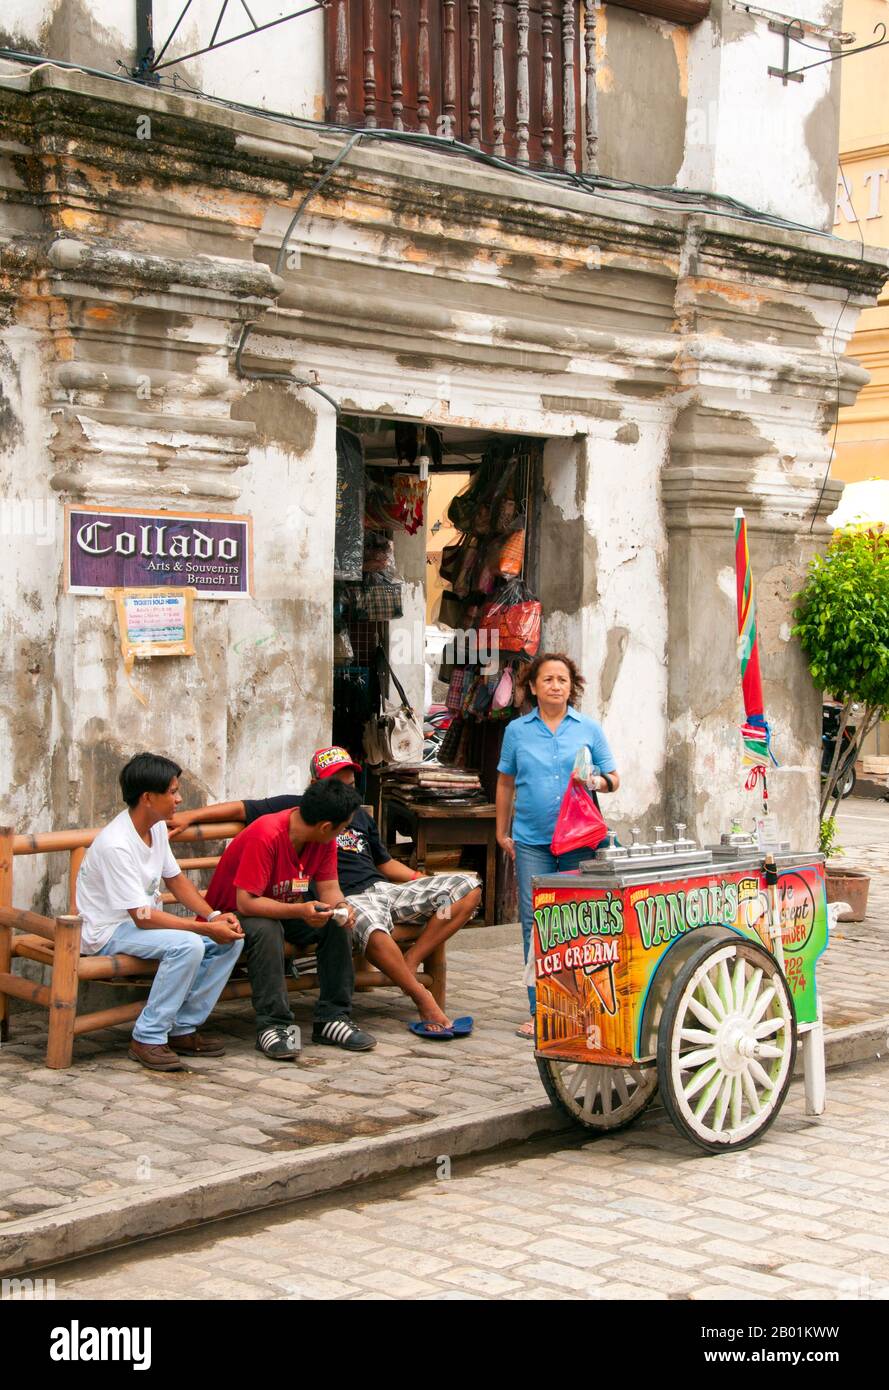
54 942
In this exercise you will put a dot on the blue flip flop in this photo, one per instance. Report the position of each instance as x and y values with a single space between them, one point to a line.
462 1027
430 1031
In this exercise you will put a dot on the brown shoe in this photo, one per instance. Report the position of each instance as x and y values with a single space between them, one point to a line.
154 1056
198 1044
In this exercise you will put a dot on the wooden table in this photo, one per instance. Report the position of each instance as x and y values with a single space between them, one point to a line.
440 827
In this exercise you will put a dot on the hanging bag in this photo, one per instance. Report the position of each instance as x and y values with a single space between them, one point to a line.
513 620
396 735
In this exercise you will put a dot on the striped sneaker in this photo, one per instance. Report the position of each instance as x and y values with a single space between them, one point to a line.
280 1043
341 1032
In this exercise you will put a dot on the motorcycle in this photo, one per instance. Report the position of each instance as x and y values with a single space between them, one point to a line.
830 725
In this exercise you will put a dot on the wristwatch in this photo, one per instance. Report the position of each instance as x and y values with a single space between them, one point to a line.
214 915
607 780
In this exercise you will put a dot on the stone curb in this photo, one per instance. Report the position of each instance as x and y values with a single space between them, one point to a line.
102 1224
99 1225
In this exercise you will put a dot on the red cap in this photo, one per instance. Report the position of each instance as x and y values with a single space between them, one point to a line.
326 761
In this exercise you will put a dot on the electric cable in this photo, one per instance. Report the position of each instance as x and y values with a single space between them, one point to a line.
279 262
836 362
599 185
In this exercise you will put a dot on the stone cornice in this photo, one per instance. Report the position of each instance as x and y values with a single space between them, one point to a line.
700 498
201 141
68 260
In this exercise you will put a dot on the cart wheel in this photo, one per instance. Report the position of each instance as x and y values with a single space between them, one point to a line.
601 1098
726 1045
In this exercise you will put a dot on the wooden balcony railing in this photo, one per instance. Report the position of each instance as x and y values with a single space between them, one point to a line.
503 76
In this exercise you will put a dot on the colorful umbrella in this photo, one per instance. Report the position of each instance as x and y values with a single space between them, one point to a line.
755 732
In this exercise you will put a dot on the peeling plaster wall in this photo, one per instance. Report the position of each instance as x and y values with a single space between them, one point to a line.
280 644
706 708
685 366
603 587
749 136
280 70
633 145
32 721
94 32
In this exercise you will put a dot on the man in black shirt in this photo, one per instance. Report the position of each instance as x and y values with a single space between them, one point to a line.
381 891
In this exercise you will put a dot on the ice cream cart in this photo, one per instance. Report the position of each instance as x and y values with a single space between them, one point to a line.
686 969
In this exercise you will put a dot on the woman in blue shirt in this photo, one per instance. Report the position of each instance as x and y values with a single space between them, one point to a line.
536 762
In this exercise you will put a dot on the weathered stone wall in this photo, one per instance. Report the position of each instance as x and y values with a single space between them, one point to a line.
677 363
750 136
688 106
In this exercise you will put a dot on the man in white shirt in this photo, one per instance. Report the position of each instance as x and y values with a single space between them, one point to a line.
119 899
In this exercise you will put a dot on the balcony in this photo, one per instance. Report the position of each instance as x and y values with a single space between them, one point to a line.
514 78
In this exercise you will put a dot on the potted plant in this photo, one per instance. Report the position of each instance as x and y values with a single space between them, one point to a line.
848 886
842 622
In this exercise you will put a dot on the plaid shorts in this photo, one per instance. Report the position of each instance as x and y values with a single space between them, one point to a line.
385 905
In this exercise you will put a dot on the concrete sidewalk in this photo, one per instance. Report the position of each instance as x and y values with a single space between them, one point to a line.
106 1152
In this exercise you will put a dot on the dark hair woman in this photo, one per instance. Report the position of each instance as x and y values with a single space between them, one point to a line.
536 762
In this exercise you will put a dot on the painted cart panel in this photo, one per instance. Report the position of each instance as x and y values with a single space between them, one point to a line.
597 950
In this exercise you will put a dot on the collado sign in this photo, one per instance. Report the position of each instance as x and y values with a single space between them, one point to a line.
114 548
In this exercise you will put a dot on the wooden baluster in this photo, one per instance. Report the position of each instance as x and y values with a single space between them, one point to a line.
449 124
370 77
569 106
397 68
546 32
499 81
341 65
592 96
475 76
523 91
423 73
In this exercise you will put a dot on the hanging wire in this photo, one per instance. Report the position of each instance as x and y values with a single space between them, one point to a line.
836 363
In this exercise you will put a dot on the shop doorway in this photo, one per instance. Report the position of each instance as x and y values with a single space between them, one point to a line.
436 534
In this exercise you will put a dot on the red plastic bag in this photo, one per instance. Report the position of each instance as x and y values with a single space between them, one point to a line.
580 822
515 618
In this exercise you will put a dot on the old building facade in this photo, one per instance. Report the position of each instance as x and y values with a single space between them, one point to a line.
677 355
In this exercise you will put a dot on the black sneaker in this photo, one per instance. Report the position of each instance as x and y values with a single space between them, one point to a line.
280 1043
343 1033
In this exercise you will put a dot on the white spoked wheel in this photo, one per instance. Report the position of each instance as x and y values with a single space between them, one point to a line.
726 1045
597 1097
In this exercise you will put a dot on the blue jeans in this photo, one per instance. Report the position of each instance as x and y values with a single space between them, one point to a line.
191 976
530 861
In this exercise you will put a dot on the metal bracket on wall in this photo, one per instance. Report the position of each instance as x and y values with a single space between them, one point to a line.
793 31
775 27
149 64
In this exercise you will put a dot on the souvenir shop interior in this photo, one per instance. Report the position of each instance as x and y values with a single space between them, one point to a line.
436 619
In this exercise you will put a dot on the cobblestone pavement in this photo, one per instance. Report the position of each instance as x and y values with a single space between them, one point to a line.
640 1215
106 1125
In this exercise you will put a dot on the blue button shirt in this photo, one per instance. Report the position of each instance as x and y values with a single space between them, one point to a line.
541 763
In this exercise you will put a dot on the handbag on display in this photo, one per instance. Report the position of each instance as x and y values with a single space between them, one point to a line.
396 735
513 619
454 697
450 744
380 599
503 693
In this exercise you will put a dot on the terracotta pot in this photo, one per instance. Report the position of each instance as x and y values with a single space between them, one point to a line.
849 886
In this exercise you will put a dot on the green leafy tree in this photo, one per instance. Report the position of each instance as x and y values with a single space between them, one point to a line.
842 622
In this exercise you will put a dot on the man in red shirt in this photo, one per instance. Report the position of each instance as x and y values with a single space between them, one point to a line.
264 877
